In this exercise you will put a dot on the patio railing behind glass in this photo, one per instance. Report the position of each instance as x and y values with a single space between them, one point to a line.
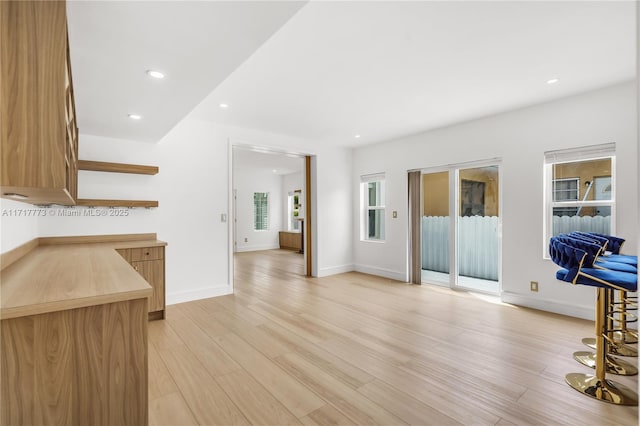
478 245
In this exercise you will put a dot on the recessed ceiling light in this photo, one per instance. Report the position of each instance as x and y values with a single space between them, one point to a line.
224 106
553 81
356 136
134 116
155 74
275 171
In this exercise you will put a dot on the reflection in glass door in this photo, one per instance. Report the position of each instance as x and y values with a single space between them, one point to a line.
477 229
435 228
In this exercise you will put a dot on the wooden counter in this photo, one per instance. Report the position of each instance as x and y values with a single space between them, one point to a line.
74 333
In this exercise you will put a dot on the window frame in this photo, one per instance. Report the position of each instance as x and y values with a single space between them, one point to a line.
590 153
366 208
293 224
255 212
571 179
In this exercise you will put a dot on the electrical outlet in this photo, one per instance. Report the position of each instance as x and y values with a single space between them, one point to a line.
246 240
534 286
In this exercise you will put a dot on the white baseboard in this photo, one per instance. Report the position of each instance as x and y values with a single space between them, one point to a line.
382 272
258 247
201 293
584 312
333 270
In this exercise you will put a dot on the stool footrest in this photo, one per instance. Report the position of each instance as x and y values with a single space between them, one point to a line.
603 390
613 365
618 349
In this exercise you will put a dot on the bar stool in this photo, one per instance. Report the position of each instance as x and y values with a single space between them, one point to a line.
613 365
578 270
621 336
624 335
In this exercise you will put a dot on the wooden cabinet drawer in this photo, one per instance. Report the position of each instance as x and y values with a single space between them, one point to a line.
147 253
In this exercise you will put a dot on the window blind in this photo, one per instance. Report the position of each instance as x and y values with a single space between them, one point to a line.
578 154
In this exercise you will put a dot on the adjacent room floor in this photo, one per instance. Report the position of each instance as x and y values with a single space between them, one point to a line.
357 349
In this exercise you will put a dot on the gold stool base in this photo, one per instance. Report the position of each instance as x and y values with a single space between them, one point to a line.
619 350
614 365
625 337
603 390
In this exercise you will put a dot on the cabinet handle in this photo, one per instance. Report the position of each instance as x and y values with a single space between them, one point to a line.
135 267
147 254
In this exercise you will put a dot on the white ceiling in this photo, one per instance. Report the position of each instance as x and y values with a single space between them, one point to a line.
196 44
336 69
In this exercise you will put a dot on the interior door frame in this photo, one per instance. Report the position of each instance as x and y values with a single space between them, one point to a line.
310 226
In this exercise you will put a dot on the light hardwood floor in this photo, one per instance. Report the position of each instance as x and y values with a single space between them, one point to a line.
356 349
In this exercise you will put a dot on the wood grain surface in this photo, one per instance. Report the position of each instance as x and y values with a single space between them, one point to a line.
102 166
84 366
115 203
64 276
358 349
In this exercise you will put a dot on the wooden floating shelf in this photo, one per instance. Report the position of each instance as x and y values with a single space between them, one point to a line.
116 203
102 166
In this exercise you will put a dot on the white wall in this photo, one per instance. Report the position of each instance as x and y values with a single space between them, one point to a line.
246 181
331 177
18 223
290 183
191 188
193 191
520 139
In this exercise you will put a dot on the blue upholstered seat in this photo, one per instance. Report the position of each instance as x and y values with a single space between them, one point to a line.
609 243
614 245
594 253
578 268
616 266
627 281
623 258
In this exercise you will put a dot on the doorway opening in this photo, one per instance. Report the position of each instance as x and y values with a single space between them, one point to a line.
271 213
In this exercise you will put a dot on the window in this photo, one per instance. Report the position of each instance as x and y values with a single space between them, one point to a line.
566 190
260 211
373 199
295 210
580 190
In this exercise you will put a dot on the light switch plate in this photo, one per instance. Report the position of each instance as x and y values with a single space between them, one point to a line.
395 214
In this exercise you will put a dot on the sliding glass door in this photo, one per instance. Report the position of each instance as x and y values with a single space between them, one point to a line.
435 227
460 229
477 228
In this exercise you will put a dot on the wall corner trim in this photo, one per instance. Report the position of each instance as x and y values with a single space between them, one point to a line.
200 293
257 247
333 270
382 272
584 312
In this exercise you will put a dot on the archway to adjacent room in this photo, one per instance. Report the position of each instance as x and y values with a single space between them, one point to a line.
271 215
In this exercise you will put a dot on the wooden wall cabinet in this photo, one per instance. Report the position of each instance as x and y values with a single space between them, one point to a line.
39 134
149 262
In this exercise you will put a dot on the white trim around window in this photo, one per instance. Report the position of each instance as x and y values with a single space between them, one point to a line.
585 199
372 201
